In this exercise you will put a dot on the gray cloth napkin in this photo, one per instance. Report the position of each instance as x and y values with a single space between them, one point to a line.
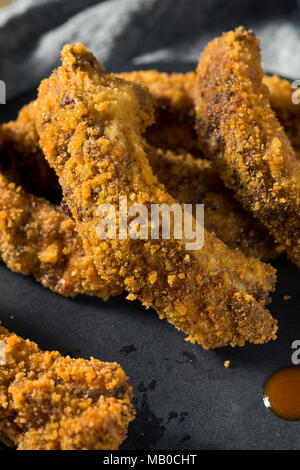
138 33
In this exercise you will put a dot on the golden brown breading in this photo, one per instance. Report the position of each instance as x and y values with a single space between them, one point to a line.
234 220
193 181
187 180
240 133
65 268
48 246
174 91
37 238
90 124
172 94
287 113
51 402
176 134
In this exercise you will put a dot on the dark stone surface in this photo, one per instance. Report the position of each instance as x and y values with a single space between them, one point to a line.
185 398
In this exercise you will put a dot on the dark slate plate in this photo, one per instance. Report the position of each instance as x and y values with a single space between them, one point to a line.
185 397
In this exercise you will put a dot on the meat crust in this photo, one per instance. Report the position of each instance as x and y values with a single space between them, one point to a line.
194 181
240 133
51 402
90 125
37 238
173 98
48 246
174 125
287 112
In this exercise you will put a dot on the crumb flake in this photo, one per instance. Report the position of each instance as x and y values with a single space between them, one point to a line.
2 353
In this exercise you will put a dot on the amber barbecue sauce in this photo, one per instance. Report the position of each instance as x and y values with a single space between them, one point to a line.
282 393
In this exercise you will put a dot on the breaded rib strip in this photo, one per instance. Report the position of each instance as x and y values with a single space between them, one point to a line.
287 112
37 238
173 101
240 133
193 181
174 91
69 271
173 96
90 125
51 402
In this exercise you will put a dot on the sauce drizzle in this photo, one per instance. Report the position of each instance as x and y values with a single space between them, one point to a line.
282 393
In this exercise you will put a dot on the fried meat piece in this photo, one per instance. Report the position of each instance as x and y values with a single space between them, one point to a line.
173 96
287 112
90 125
194 181
65 268
37 238
174 125
174 91
186 179
240 133
51 402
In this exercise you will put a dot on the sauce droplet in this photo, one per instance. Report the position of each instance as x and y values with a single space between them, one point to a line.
282 393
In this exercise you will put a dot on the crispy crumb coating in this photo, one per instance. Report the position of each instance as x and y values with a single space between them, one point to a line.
51 402
240 133
186 181
174 91
90 125
37 238
287 112
173 128
190 182
173 96
39 248
193 181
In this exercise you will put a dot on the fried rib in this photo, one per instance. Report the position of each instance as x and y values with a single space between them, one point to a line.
51 402
240 133
37 238
287 113
49 248
173 128
194 181
186 179
90 125
173 96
